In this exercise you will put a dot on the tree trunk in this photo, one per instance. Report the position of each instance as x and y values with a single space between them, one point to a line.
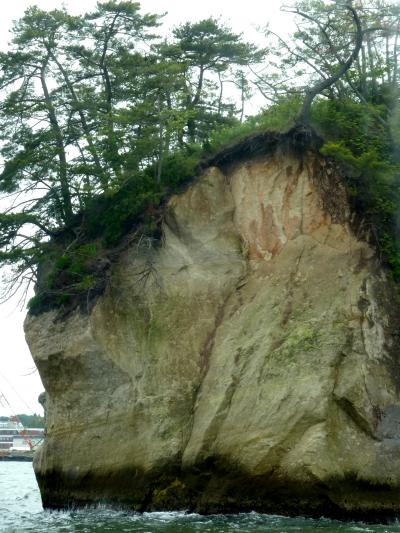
160 142
242 97
191 123
62 167
221 90
395 64
112 152
85 126
374 85
363 77
304 115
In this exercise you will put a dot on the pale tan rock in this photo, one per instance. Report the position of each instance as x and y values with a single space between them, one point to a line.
250 362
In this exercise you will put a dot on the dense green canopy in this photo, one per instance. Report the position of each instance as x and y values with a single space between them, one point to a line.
101 118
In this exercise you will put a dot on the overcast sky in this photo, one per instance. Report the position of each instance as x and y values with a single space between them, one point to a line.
19 381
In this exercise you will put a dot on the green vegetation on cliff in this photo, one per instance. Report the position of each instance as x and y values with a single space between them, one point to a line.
97 132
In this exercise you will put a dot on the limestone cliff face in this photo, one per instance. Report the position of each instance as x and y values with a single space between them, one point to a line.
249 362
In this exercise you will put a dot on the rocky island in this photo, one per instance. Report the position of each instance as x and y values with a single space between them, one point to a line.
249 360
217 292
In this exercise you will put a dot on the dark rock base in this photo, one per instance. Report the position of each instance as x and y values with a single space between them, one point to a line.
221 490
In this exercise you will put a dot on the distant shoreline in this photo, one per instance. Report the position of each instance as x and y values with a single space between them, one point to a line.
26 457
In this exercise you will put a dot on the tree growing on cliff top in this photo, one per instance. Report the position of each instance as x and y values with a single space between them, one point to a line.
339 50
96 110
348 53
87 104
56 125
211 56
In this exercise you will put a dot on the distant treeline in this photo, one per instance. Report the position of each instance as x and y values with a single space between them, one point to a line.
28 421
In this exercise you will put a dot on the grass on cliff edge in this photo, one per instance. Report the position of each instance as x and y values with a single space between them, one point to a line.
359 137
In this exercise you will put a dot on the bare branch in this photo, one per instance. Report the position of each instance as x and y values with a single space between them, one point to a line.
319 87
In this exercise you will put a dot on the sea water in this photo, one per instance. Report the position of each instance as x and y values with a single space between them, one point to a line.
21 511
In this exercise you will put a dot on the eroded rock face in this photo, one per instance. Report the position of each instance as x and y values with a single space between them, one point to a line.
250 362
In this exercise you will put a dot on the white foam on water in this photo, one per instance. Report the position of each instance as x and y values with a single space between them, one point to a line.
21 512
